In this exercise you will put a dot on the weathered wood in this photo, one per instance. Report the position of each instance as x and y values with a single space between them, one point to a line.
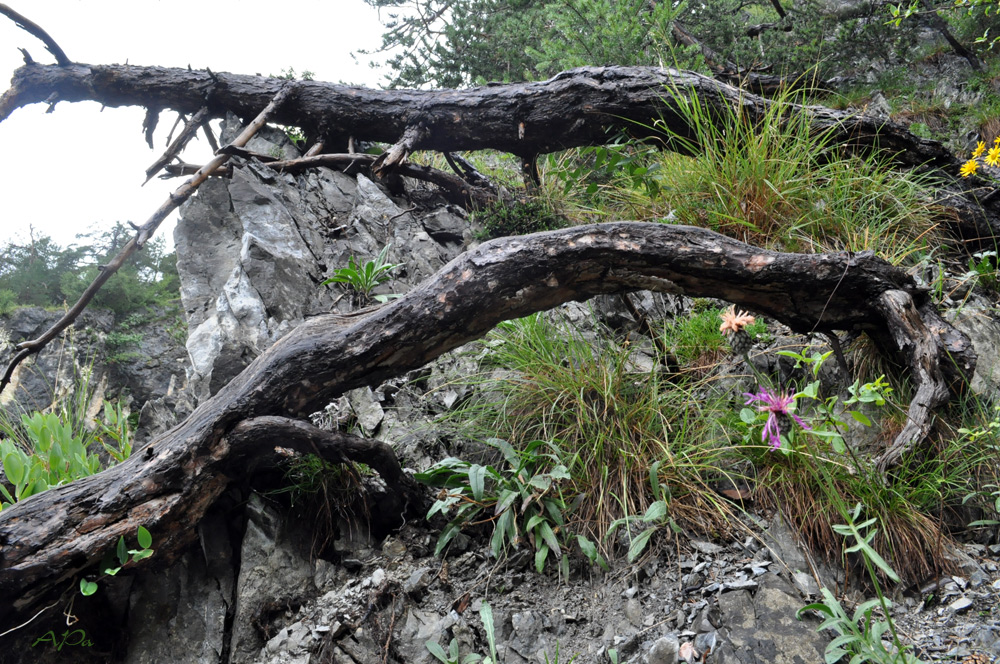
579 107
167 486
575 108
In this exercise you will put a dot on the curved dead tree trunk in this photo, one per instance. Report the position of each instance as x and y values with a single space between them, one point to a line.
49 539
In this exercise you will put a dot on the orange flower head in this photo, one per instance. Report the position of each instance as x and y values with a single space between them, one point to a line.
734 321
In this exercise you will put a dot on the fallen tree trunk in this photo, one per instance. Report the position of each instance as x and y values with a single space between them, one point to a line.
584 106
51 538
575 108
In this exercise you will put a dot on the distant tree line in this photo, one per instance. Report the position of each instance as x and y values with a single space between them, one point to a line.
455 43
40 272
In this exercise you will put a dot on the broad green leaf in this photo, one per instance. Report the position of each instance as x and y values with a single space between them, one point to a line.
816 606
639 544
654 478
550 537
87 588
477 481
122 551
140 555
13 468
486 615
144 538
748 415
447 535
540 555
861 417
435 649
655 512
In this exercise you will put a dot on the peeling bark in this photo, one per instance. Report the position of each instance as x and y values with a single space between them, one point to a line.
49 539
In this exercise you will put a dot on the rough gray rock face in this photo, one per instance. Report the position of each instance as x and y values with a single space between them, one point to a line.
149 373
763 629
252 252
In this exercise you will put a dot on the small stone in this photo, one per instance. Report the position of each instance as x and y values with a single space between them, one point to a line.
806 583
960 604
664 650
416 585
708 548
742 584
633 611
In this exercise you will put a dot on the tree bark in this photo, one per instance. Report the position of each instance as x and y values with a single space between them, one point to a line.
51 538
584 106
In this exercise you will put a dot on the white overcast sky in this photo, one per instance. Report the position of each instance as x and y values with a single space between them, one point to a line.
81 168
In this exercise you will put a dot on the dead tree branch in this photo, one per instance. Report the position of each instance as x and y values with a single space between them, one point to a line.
175 147
36 30
576 108
48 539
144 232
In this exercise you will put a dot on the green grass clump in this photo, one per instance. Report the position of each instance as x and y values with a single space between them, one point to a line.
769 181
607 420
696 341
774 182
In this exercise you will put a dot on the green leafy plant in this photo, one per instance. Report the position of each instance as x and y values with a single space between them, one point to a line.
612 411
860 635
770 180
8 301
115 432
363 278
453 657
522 499
121 556
655 518
53 456
504 219
983 268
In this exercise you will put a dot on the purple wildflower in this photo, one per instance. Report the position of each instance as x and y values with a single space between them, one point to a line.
777 405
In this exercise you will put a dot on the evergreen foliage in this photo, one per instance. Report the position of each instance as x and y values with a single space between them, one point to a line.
453 43
42 273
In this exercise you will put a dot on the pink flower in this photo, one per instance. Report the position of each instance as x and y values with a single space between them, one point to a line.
777 405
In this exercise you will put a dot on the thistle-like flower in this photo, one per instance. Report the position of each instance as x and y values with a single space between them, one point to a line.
733 322
777 404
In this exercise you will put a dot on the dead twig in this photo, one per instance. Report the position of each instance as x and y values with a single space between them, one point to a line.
143 233
36 30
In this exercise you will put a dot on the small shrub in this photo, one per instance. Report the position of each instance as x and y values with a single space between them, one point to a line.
8 301
518 218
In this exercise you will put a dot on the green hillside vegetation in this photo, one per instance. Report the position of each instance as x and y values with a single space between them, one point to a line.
42 273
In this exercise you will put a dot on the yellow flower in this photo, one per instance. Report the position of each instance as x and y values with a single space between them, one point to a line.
996 141
968 168
734 321
993 156
980 149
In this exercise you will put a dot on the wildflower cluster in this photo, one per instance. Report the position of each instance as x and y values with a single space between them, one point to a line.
992 158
